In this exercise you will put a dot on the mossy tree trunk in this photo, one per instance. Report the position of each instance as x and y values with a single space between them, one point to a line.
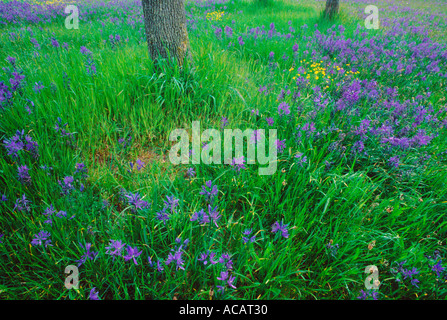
332 7
165 24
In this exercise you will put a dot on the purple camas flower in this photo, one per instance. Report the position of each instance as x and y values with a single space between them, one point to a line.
191 173
159 265
125 142
38 87
1 236
256 136
171 203
228 31
295 47
36 44
280 227
135 201
213 213
438 268
22 204
241 41
66 185
162 215
54 43
177 258
62 214
202 257
407 273
49 211
224 122
280 145
210 191
301 158
263 89
365 295
88 255
140 164
270 121
132 253
226 261
11 60
93 295
394 161
238 163
358 147
309 128
85 51
42 239
227 280
23 173
81 169
246 238
200 216
115 248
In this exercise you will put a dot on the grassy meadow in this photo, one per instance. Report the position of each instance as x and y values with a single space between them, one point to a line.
86 179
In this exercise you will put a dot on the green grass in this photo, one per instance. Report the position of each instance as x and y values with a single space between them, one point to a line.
353 203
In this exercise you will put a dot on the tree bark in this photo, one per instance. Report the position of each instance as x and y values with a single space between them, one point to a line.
165 26
331 8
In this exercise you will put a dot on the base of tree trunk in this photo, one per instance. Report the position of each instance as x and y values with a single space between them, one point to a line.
331 10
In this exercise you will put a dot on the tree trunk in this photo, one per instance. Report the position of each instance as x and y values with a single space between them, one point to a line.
331 8
165 22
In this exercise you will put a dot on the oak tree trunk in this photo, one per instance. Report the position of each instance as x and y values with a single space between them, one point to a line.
166 34
331 8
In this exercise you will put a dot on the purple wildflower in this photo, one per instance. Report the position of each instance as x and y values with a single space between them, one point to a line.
438 268
49 211
246 233
365 295
66 185
42 238
132 253
224 122
283 109
115 248
135 202
22 204
301 158
54 42
38 87
200 216
91 255
93 295
213 213
210 191
23 173
280 145
191 173
394 161
280 227
238 163
85 51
